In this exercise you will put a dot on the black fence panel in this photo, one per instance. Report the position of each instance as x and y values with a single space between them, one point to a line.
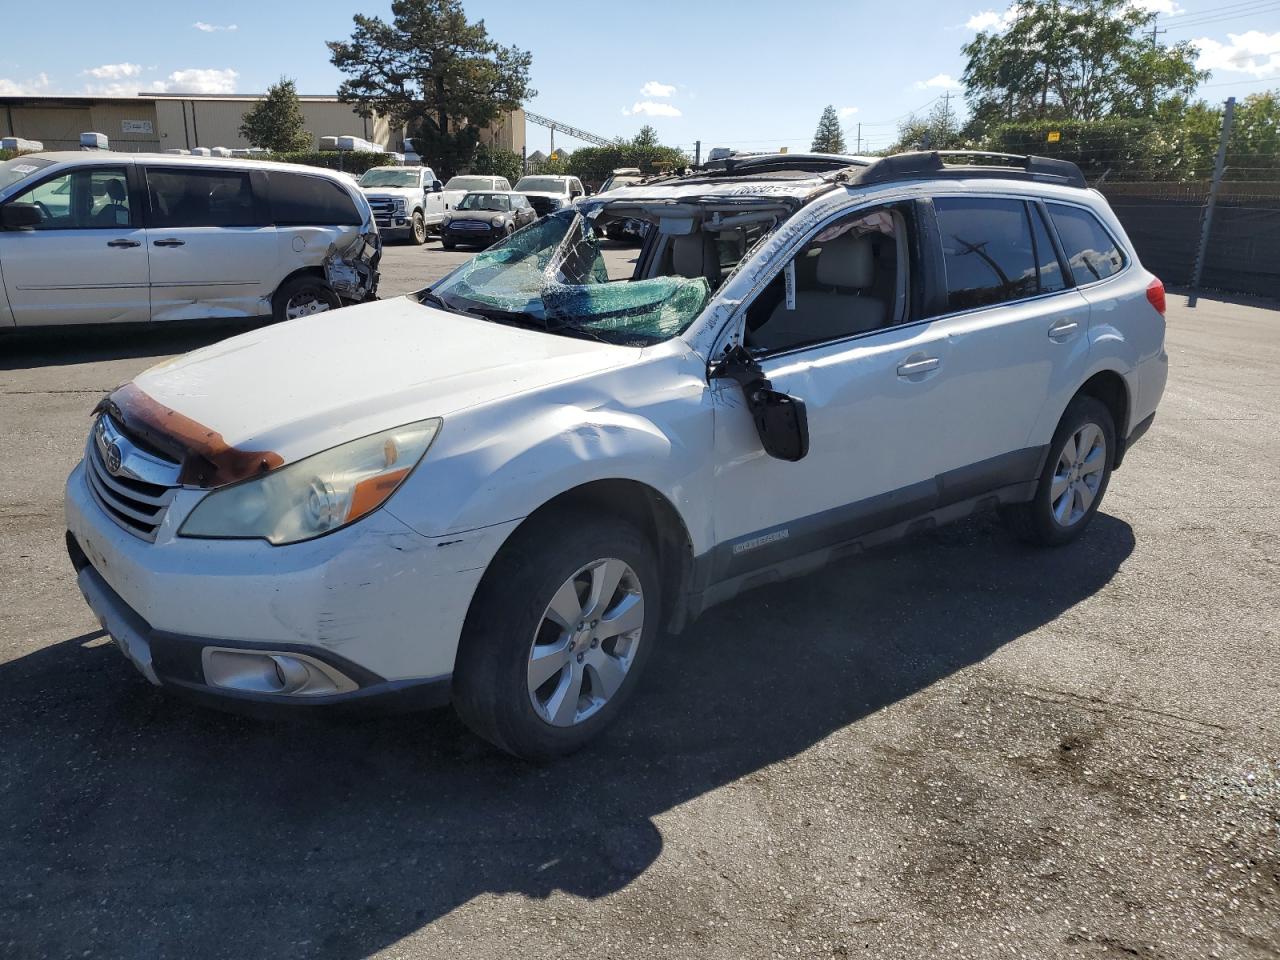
1164 221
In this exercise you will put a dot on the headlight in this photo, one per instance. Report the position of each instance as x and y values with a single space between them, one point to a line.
446 219
556 204
398 203
313 496
499 221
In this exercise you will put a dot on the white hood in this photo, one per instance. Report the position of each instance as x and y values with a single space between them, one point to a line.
306 385
408 193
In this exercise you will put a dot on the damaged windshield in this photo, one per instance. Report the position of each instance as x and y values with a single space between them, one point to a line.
553 276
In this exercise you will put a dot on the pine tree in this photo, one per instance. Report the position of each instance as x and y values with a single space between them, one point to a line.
829 138
276 121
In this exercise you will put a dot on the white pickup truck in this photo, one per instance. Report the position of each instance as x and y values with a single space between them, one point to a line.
407 202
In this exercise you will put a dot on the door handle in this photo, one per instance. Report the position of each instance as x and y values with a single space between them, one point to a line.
913 368
170 243
124 243
1063 330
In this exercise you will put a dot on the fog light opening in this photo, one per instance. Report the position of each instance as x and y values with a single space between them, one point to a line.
270 672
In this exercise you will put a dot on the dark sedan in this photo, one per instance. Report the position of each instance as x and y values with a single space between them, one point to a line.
480 219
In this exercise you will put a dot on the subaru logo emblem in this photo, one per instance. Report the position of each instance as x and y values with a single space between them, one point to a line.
112 456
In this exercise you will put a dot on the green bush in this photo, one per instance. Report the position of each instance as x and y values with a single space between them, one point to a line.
348 160
593 165
7 155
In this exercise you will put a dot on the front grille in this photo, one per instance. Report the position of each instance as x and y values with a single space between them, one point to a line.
135 504
468 225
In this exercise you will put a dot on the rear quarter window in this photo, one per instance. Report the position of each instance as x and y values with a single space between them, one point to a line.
298 199
1091 251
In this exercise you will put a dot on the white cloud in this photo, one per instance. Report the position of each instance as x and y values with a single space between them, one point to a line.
114 71
655 89
21 88
197 80
986 20
1163 7
213 27
941 81
650 109
848 111
1252 52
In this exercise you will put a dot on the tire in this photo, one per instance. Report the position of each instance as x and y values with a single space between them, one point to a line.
554 561
418 233
447 244
294 295
1049 520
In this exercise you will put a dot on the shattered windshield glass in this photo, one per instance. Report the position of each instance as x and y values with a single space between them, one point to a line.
552 276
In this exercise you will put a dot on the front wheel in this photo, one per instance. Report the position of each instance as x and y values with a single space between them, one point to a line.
1075 477
447 244
558 634
419 228
302 297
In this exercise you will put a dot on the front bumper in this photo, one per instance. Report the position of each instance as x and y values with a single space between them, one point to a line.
488 235
176 662
376 603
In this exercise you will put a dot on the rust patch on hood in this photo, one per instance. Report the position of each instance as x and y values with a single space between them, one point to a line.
207 459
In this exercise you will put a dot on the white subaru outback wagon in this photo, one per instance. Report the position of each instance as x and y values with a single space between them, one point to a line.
503 490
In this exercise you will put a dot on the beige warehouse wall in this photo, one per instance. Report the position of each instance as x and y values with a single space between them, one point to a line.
176 123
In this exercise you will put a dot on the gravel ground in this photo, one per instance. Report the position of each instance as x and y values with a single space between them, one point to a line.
956 746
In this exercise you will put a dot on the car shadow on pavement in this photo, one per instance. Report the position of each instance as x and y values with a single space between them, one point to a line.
62 346
137 825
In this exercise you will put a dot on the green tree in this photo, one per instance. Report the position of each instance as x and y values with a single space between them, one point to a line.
646 139
1078 59
937 130
433 71
829 138
276 121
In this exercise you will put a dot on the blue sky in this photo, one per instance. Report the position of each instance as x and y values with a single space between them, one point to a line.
748 74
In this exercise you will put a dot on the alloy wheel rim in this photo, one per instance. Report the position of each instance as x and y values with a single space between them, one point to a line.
419 229
1078 475
304 305
585 643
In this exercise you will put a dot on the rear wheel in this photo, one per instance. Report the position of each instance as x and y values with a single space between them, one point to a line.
558 634
1074 480
302 297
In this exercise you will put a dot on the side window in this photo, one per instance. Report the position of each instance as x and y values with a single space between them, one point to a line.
201 198
301 200
851 278
987 251
95 199
1090 250
1047 263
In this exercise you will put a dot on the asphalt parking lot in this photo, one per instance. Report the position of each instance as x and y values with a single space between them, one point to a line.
957 746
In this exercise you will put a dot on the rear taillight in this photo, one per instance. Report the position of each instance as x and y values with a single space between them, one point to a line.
1155 295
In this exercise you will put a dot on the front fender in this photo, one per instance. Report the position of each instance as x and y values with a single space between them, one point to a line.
495 469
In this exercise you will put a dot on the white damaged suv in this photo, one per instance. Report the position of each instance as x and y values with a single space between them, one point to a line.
504 490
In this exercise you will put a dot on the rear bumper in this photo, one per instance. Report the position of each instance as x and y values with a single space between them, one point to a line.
175 662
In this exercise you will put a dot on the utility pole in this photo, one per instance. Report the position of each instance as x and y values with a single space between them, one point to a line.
859 150
1206 226
697 153
946 117
1155 33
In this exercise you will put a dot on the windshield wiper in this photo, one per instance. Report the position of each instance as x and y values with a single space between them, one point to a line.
435 300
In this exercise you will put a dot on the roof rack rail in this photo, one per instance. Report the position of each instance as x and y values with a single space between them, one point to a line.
907 166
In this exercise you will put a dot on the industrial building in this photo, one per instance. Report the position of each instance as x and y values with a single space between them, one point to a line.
154 122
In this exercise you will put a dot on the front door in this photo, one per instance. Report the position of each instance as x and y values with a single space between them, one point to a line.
837 329
213 250
433 200
86 261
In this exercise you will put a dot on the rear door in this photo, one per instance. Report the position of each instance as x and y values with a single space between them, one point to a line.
1017 331
213 248
86 261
